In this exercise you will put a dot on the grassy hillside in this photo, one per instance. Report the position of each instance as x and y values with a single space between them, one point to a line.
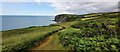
93 32
14 40
89 32
72 17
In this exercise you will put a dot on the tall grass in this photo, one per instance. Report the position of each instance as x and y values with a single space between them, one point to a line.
19 39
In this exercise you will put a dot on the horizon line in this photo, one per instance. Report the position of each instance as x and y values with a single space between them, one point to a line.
23 15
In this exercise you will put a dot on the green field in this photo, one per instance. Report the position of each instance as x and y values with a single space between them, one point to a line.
14 40
81 33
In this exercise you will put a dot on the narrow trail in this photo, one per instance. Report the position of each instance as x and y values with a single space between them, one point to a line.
49 43
89 18
44 43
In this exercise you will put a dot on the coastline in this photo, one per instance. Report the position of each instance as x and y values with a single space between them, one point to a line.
77 31
17 22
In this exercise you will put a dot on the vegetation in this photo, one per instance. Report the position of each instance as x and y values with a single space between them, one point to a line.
67 17
19 39
93 32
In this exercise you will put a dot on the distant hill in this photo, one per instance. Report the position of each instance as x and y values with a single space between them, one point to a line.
71 17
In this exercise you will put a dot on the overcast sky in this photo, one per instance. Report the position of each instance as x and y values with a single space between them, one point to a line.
54 7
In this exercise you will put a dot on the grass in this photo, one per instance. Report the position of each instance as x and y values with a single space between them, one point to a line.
91 34
0 41
67 24
87 33
89 18
24 38
52 44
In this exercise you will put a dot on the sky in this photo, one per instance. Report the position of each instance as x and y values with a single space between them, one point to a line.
27 8
55 7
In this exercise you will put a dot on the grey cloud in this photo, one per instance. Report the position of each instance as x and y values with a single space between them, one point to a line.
85 7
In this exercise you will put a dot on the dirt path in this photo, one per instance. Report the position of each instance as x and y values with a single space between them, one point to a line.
89 18
43 44
50 43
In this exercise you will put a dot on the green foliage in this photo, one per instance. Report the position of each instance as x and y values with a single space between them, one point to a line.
18 39
93 35
67 17
54 25
94 32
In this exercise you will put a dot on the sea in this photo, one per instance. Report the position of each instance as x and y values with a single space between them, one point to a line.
16 22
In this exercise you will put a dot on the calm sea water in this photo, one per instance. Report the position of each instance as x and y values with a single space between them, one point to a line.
14 22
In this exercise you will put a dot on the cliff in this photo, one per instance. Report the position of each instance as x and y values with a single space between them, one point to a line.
72 17
66 17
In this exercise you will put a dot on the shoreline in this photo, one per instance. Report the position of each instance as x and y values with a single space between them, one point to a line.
77 31
26 27
17 22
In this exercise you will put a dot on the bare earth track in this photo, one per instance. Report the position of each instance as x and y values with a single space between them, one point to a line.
43 43
50 43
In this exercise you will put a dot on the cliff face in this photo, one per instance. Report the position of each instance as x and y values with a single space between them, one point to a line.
66 17
71 17
59 18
